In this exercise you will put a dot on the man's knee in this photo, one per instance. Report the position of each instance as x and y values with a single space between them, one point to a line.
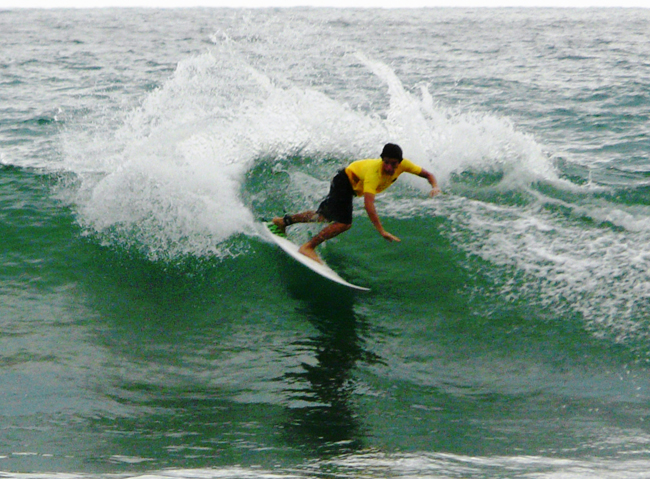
342 227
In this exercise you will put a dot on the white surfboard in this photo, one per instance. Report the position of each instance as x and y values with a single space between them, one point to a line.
325 271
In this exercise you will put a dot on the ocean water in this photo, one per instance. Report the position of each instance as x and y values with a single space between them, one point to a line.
147 328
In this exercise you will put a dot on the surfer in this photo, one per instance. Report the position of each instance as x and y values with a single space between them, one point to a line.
361 178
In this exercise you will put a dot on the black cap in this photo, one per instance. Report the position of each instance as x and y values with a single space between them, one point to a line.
392 150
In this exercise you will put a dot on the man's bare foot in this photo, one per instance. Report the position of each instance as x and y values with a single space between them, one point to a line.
279 222
310 253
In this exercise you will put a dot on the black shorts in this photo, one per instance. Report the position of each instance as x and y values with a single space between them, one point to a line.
337 206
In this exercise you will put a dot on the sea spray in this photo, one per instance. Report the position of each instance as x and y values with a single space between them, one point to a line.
168 180
175 179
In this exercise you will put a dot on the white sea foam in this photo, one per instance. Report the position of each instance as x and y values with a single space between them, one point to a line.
414 465
444 465
560 263
169 178
591 259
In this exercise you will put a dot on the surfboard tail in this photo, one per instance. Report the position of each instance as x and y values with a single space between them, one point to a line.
320 268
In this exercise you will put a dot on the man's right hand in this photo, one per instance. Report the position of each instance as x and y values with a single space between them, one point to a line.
369 203
390 237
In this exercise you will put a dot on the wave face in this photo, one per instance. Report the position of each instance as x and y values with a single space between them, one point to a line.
149 328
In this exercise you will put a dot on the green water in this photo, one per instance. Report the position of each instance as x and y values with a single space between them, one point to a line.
147 328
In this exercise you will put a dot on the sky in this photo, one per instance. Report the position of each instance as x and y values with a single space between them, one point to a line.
319 3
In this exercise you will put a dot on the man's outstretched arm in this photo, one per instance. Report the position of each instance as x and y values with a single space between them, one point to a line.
435 189
369 203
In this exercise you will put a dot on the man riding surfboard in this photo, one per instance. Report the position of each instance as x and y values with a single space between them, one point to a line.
361 178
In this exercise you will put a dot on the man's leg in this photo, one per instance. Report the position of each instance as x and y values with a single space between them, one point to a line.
329 232
304 217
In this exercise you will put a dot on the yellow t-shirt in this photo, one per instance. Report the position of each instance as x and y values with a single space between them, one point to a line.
366 175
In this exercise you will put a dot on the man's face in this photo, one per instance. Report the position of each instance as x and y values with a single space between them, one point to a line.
389 165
